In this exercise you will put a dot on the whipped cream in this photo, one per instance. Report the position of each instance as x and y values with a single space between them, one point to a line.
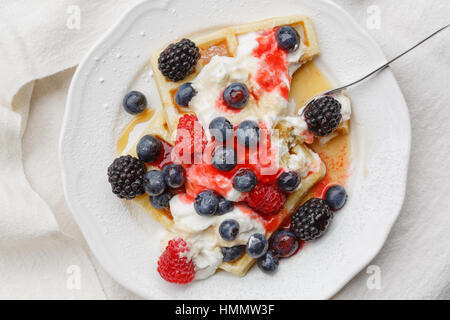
211 81
243 67
271 106
202 234
346 105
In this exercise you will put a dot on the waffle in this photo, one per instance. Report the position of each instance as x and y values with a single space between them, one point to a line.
164 123
157 126
224 42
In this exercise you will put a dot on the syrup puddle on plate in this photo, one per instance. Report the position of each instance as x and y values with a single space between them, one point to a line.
307 82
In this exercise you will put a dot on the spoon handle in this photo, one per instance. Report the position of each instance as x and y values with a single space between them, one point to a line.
384 66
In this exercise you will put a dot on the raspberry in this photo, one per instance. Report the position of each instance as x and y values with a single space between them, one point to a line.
173 266
190 136
266 199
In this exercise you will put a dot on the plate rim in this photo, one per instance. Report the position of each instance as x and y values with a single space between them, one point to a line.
122 23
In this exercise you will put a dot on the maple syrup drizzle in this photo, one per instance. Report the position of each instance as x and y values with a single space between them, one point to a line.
123 139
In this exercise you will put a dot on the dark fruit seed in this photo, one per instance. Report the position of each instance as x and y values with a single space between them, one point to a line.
287 38
224 158
244 180
161 201
229 229
149 148
288 181
248 133
185 94
225 206
268 263
232 253
174 175
206 203
154 183
221 129
236 95
134 102
257 245
284 243
336 197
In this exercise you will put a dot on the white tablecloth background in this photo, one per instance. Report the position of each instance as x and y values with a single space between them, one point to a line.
39 239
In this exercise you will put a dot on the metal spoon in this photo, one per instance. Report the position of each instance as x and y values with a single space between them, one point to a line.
384 66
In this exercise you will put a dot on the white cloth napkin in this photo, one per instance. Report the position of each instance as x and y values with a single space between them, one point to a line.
37 39
415 261
42 252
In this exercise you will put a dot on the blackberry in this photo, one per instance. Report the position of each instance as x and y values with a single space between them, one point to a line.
323 115
311 220
126 176
178 60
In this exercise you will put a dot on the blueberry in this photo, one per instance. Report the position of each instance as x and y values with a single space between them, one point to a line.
174 175
284 243
149 148
185 94
161 201
236 95
154 183
257 245
206 203
134 102
229 229
287 38
336 196
232 253
248 133
244 180
221 129
288 181
225 206
268 263
224 158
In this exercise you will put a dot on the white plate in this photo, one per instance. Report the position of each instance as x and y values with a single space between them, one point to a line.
125 239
